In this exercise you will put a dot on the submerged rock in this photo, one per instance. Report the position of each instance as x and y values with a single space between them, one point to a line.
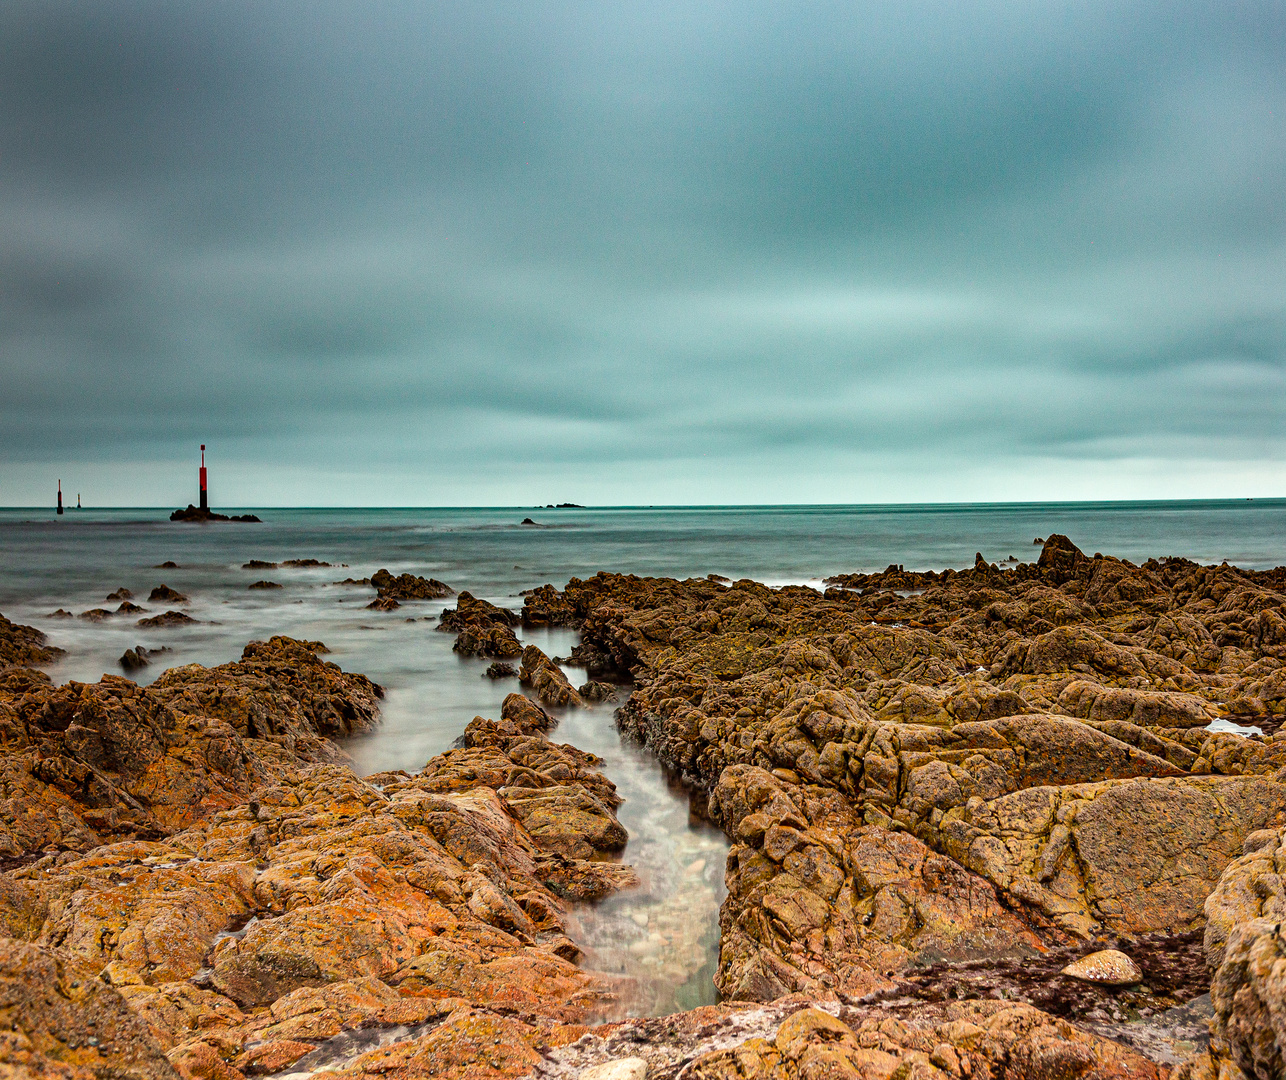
167 618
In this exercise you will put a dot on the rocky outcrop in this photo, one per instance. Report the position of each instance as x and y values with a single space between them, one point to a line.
256 899
817 901
85 763
1247 959
942 789
481 628
409 587
547 679
24 646
163 594
200 514
546 606
1026 752
167 618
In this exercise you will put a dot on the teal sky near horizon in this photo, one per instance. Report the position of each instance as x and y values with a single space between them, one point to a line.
419 253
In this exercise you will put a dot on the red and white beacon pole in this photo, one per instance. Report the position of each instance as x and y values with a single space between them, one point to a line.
205 502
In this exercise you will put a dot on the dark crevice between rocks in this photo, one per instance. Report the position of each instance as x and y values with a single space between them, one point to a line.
1167 1008
350 1044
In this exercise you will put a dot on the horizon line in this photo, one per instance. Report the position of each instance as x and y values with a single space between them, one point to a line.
1230 500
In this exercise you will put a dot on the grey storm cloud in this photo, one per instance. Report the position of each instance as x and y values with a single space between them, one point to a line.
641 253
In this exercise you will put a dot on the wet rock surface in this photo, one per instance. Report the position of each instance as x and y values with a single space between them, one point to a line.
481 628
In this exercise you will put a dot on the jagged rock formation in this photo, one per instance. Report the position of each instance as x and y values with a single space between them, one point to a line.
481 628
409 587
89 763
199 881
920 773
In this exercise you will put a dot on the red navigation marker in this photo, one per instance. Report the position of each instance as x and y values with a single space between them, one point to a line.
60 496
205 503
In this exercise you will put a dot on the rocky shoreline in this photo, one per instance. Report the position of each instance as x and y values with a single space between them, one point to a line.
942 789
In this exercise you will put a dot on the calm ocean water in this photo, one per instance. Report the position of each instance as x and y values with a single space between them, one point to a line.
663 936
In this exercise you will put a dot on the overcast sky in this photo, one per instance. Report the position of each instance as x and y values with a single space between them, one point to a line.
679 252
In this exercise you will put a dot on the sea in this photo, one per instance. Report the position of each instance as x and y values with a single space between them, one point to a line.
660 940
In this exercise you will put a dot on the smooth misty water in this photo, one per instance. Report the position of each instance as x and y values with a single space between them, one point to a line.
664 934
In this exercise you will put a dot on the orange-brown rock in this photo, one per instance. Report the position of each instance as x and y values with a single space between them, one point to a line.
323 903
917 770
59 1021
819 902
966 1039
24 646
84 763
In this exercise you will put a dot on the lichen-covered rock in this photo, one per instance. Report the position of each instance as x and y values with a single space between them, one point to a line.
819 902
60 1021
965 1039
322 903
280 687
1041 733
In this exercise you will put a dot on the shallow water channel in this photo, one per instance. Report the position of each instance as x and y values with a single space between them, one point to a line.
662 938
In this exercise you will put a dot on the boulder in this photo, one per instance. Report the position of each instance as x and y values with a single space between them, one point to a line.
1111 967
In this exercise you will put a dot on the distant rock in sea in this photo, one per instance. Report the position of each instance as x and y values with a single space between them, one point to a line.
194 513
168 618
163 594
